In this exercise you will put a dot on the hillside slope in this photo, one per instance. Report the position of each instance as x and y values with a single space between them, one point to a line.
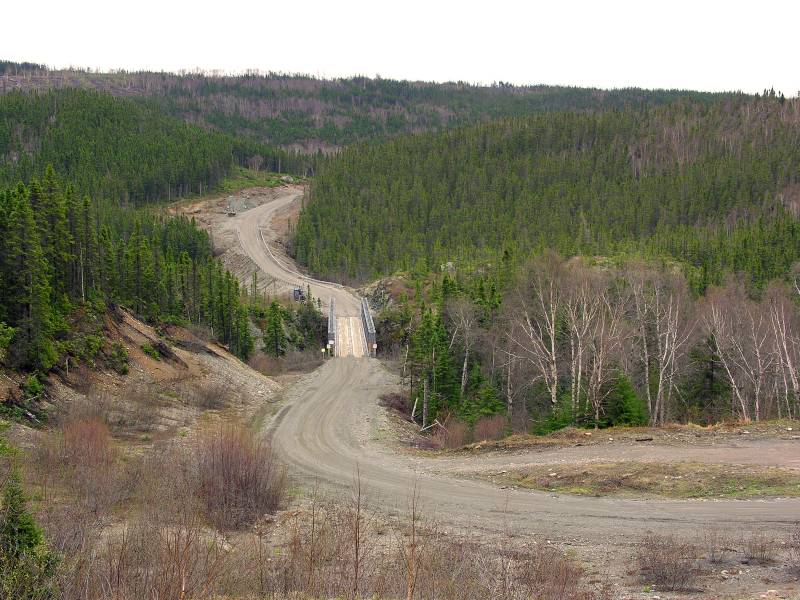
714 185
115 147
304 113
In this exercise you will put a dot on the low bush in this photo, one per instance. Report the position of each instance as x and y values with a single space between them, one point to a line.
453 434
140 410
490 428
794 549
118 358
324 555
150 351
209 396
87 443
759 548
667 562
80 460
716 545
238 479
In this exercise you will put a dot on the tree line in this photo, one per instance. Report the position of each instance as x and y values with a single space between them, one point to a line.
583 342
711 185
312 114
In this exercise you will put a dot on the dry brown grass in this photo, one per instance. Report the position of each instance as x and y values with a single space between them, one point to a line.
149 558
672 480
209 396
294 360
325 549
397 402
81 462
238 479
342 551
689 433
137 411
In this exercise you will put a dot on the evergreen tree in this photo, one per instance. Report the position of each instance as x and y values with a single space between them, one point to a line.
27 566
274 334
19 533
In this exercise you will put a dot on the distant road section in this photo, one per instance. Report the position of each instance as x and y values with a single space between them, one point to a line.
253 228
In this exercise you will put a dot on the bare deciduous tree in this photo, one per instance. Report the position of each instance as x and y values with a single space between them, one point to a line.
786 331
582 307
534 320
744 337
255 162
607 337
664 327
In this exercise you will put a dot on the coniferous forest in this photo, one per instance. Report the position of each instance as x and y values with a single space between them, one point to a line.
72 236
713 186
116 148
312 114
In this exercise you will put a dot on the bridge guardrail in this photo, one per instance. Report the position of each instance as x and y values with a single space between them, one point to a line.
331 326
369 328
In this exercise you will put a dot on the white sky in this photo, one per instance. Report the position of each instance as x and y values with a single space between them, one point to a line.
700 44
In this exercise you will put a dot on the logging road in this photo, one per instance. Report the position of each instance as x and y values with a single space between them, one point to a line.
258 242
332 425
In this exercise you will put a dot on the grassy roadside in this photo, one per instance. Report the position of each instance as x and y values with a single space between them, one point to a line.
681 480
672 433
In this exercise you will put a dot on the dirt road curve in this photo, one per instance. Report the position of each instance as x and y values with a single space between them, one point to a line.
332 425
257 240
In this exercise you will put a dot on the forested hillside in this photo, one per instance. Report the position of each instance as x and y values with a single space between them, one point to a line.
715 186
59 254
117 148
74 245
309 114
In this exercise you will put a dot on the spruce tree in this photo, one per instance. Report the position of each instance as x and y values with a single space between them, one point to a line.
274 335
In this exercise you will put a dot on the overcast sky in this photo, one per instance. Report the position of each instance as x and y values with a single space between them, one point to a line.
699 44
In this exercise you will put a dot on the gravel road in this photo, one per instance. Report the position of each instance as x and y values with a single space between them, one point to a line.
331 427
258 242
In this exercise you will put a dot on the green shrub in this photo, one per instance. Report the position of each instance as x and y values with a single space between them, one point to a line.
150 351
27 566
32 387
91 347
562 415
6 335
623 405
118 359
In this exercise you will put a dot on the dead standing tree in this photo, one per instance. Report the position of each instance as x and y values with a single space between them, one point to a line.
461 314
